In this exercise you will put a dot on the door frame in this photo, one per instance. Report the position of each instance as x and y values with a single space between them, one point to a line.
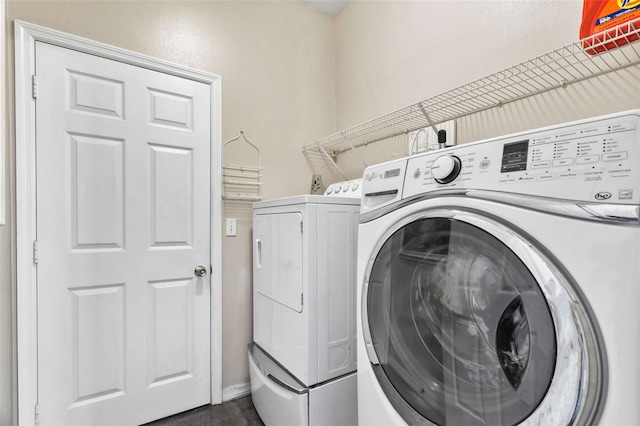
3 166
25 326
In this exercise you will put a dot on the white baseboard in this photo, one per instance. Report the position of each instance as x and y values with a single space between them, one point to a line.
236 391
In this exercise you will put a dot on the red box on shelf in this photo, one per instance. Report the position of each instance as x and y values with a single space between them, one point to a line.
607 24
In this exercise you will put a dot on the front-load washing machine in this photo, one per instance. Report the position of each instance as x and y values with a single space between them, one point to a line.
498 281
302 361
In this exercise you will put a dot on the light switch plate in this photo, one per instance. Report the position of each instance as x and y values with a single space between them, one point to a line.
230 227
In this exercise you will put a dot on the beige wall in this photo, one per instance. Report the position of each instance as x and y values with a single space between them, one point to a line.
276 63
404 52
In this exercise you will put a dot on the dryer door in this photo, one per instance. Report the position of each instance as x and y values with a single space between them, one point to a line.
278 247
466 323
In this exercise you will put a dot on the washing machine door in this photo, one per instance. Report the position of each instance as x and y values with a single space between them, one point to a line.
465 322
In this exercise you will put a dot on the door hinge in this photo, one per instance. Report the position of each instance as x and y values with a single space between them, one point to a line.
34 86
36 412
35 252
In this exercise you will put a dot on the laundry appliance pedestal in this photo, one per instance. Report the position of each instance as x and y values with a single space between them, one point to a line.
303 358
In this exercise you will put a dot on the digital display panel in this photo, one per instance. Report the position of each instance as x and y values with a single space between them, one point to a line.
514 157
392 173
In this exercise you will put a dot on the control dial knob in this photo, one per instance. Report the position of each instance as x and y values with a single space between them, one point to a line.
446 168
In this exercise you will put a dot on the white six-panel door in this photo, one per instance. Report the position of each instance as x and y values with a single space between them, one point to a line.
123 217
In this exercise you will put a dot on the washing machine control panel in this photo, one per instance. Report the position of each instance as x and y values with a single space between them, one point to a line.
593 160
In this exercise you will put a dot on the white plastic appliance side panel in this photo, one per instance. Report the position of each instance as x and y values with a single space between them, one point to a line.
335 403
337 236
354 314
275 404
311 293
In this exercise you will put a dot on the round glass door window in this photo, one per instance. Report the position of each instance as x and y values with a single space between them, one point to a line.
460 327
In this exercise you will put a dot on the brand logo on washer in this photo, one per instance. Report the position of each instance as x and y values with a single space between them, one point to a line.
603 195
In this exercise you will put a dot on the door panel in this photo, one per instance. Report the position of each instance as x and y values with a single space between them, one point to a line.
97 320
94 94
96 169
123 324
171 109
170 337
171 196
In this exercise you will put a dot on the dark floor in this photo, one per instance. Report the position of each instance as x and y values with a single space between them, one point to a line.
238 412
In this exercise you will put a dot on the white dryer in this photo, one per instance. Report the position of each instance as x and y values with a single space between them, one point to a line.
303 359
498 281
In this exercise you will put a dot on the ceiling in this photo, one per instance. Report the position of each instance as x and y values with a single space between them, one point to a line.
330 7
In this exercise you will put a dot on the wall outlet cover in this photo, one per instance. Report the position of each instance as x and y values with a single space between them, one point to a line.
316 184
423 140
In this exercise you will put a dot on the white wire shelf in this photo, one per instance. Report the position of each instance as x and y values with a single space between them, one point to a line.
567 65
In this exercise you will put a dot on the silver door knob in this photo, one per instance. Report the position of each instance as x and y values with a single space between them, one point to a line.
200 271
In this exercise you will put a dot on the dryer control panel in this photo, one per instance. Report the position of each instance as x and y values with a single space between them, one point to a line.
351 189
593 160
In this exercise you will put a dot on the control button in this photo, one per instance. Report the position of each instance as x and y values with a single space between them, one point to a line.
526 179
563 162
330 190
547 176
445 168
588 173
337 190
507 180
345 188
620 173
484 164
615 156
354 186
592 175
587 159
540 165
568 175
416 174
